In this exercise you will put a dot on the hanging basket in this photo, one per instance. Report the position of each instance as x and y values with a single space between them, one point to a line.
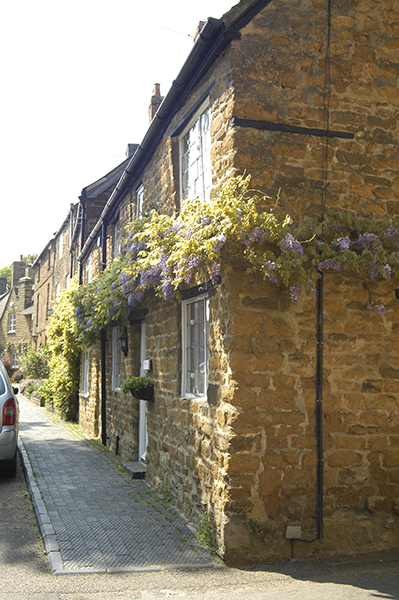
143 394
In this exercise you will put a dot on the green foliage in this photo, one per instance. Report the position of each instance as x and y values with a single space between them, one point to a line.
165 253
35 363
136 383
6 272
28 386
7 365
205 535
61 387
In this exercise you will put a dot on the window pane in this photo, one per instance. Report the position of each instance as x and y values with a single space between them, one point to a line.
196 348
196 159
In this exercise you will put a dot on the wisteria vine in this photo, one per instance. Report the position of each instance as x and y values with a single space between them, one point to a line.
165 253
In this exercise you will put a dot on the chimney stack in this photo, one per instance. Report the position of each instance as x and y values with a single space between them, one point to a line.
17 272
156 100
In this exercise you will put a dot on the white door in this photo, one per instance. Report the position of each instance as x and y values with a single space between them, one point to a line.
143 403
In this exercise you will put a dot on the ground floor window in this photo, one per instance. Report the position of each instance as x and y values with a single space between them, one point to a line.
116 359
14 360
195 346
84 386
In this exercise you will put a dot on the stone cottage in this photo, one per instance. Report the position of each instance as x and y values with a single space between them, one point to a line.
16 309
278 429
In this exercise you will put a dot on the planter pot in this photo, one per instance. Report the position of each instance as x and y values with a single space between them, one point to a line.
147 394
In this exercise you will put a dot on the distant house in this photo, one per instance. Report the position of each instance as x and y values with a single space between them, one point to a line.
16 309
56 264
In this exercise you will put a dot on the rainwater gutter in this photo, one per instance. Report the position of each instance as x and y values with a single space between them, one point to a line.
212 41
196 61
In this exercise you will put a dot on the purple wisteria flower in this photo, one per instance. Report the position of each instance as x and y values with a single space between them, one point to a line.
194 262
135 298
375 271
167 289
330 264
135 248
177 226
220 241
379 308
392 234
124 278
271 274
290 244
256 235
151 276
205 221
111 312
295 290
343 243
367 240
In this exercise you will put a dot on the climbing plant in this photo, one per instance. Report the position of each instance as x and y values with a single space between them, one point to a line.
61 387
165 252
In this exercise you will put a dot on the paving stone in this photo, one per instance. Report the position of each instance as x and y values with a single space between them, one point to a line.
103 520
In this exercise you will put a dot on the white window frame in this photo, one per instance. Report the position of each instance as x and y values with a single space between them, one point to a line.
195 171
195 338
84 384
116 359
117 239
89 268
139 201
57 290
11 323
14 360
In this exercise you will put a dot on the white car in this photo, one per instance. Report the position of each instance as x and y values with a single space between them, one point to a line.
9 424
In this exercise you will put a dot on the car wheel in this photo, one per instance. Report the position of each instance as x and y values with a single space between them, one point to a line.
9 467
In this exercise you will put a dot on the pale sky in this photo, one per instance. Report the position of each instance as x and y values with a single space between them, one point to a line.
76 81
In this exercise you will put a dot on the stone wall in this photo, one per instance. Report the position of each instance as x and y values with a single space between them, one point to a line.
246 454
278 75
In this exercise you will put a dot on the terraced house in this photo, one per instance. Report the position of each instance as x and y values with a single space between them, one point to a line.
16 308
279 421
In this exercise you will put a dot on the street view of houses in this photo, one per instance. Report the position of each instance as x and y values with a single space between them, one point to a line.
221 310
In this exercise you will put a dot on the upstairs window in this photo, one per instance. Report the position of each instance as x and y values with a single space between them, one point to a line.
195 158
117 239
88 268
11 323
60 246
139 201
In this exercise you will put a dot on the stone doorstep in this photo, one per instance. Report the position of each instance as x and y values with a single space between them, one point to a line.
136 470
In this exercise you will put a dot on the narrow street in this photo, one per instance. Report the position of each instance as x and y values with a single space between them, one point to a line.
25 570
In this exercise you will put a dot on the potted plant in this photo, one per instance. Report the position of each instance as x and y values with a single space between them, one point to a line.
141 388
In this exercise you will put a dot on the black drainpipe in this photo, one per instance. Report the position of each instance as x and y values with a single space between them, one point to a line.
319 408
102 346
